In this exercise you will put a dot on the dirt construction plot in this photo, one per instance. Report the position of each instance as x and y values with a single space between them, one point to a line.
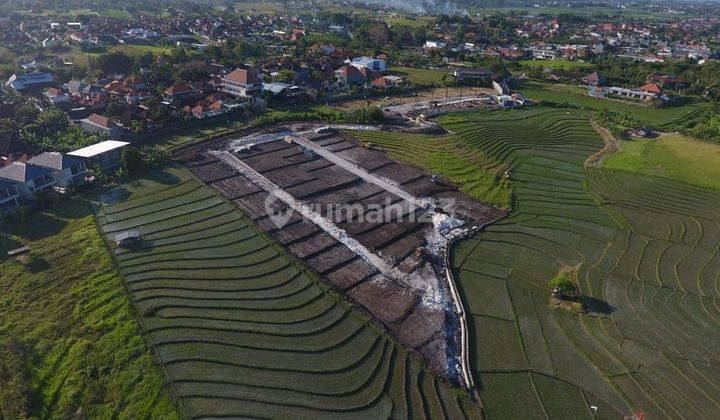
375 252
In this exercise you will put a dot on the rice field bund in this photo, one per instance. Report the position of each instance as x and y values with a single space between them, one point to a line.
643 251
245 326
242 329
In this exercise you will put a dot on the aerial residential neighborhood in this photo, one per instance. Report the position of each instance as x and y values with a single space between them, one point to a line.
330 209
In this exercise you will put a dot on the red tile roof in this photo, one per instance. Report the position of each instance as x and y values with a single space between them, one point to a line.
650 87
115 86
132 80
101 121
381 82
178 88
241 76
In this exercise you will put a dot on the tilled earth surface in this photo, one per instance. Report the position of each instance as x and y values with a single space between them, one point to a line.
416 314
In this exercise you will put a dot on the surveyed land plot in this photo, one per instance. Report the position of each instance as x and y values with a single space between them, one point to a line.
242 329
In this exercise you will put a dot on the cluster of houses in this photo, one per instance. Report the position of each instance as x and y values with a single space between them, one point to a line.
367 70
51 172
539 50
652 90
225 89
638 40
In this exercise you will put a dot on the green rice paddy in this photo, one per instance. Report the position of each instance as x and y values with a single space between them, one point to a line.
245 331
643 250
669 118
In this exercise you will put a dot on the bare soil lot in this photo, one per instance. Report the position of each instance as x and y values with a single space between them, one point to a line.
412 302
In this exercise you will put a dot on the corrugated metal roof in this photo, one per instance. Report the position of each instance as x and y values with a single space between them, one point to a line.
99 148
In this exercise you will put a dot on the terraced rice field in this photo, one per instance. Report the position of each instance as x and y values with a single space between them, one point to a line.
470 169
644 252
243 330
669 118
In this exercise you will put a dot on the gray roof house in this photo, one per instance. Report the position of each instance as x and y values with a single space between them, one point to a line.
67 170
9 194
30 178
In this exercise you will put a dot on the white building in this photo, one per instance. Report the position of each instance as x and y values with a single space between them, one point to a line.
435 45
544 52
29 80
372 64
241 83
105 154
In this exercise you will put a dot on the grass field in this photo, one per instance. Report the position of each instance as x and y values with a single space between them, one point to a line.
187 136
642 250
75 13
420 77
133 50
257 7
597 12
555 64
415 22
243 330
667 119
69 338
469 169
670 156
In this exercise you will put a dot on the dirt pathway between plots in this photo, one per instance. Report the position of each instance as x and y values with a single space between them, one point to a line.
444 230
612 145
326 224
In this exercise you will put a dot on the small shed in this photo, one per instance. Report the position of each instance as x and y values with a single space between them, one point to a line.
323 129
18 251
128 238
642 132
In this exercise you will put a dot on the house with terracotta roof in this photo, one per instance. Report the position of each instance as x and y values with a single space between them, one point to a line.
205 108
594 79
98 124
388 82
381 83
56 96
647 92
242 83
349 75
116 88
650 88
667 81
179 92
